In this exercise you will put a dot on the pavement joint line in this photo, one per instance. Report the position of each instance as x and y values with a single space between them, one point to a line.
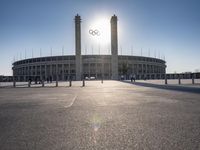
72 102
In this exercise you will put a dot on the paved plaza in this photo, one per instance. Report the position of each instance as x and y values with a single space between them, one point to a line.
113 115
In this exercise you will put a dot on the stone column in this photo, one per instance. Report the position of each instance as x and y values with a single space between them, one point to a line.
78 47
69 70
142 72
41 72
63 76
35 72
114 48
96 70
51 71
45 71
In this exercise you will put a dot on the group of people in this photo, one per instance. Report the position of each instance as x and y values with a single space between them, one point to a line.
133 78
49 79
36 81
39 81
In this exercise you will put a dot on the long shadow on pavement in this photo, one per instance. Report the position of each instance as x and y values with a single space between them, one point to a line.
167 87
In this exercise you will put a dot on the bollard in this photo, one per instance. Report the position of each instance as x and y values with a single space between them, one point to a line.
70 82
165 79
42 83
179 80
56 80
83 82
56 83
29 84
14 83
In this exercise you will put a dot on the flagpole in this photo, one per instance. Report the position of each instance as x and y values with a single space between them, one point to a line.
32 52
63 50
132 50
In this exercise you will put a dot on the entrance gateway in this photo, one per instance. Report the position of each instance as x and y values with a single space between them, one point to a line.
114 48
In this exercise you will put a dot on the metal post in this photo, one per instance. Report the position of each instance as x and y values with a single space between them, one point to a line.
83 82
70 82
102 79
179 79
29 83
14 82
165 79
56 80
42 83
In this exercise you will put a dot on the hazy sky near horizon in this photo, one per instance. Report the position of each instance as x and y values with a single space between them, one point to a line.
158 28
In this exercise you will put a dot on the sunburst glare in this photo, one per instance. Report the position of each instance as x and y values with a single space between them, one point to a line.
102 26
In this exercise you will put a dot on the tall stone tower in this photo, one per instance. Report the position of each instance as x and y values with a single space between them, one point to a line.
78 47
114 48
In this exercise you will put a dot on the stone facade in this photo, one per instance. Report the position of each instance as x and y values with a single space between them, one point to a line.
97 66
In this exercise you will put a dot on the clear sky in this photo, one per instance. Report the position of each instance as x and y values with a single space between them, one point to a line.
159 28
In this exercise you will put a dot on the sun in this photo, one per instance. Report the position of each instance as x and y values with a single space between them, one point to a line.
101 29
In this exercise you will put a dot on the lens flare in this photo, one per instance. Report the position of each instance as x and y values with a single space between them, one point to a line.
96 122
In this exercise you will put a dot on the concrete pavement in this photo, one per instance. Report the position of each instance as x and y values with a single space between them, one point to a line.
112 115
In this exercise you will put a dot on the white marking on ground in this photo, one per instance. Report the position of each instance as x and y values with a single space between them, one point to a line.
72 102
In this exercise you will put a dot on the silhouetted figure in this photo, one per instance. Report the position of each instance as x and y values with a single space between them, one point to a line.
47 80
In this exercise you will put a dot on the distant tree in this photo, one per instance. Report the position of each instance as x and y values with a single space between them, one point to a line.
124 68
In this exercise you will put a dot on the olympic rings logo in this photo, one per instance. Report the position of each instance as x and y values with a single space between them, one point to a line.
94 32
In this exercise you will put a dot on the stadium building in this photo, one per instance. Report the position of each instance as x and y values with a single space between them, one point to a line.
78 66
